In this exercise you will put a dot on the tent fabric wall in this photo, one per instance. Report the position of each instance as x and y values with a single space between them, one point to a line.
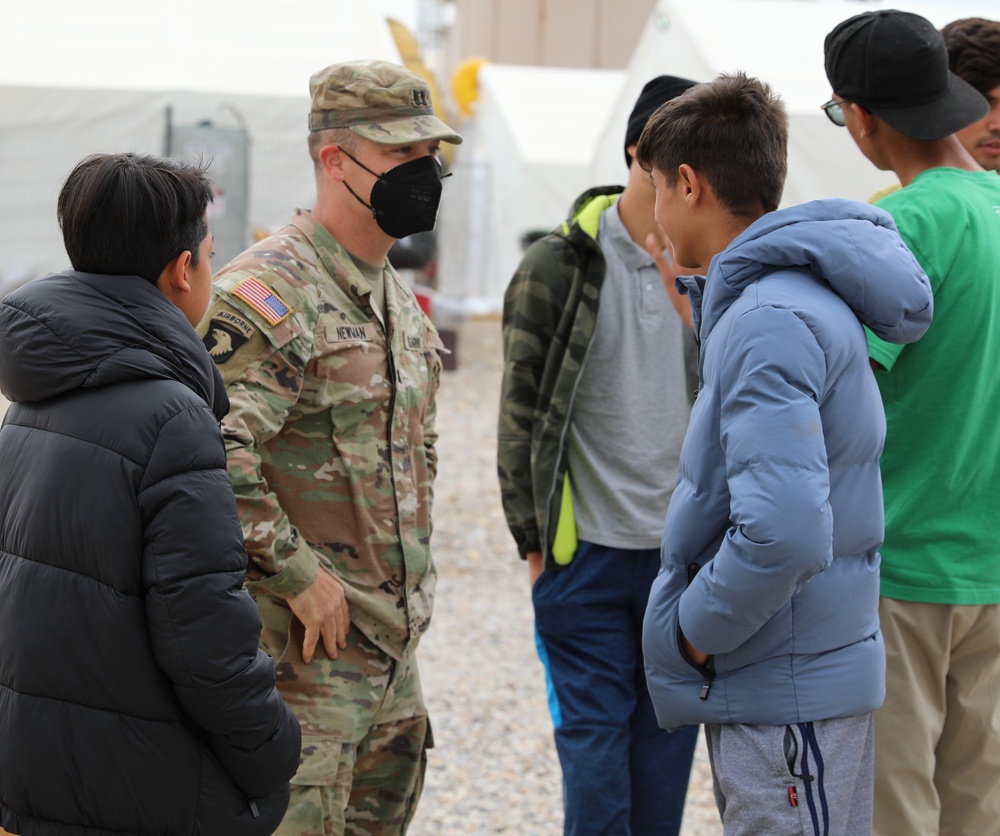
780 42
44 132
532 144
78 78
542 135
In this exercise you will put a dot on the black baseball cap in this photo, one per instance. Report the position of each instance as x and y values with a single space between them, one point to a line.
895 64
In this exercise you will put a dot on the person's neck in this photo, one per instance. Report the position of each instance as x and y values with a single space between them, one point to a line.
720 228
635 208
718 240
356 231
909 158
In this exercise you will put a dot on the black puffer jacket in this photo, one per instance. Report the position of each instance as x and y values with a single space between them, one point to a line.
133 697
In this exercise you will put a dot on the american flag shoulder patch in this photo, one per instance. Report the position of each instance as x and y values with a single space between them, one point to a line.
263 300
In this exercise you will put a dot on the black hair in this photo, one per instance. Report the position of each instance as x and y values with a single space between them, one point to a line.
974 51
132 214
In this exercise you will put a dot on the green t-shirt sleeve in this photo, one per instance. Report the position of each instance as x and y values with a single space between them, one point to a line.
883 353
911 226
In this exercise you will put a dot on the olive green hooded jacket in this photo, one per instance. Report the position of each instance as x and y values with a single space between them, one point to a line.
550 312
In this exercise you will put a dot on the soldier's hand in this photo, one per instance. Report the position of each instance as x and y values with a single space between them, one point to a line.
322 608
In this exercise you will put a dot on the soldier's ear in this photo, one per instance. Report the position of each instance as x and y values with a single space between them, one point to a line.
331 158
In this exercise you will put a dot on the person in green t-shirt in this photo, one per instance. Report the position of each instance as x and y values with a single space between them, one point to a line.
974 56
937 737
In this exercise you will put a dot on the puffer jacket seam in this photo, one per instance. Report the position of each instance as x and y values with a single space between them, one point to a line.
116 712
96 371
85 827
220 465
71 571
155 555
29 426
170 617
206 469
44 325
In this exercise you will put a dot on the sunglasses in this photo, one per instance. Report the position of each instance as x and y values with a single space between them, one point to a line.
835 112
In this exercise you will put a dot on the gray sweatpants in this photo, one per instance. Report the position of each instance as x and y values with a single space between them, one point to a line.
805 778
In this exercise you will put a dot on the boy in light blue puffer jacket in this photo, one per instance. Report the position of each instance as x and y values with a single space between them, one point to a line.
763 622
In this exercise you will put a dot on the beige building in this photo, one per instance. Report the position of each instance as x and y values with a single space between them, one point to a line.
599 34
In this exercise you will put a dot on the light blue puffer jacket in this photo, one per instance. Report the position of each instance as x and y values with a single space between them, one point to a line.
770 551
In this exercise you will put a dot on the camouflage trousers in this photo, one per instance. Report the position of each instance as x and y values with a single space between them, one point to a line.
365 736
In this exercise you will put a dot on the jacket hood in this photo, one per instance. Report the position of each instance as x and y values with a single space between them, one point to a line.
852 246
587 208
72 330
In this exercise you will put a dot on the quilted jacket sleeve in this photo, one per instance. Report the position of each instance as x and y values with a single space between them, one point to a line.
533 304
203 626
781 531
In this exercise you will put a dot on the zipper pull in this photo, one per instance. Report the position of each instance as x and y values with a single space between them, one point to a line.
709 672
253 807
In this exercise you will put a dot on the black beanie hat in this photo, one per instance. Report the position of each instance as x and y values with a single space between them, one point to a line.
661 89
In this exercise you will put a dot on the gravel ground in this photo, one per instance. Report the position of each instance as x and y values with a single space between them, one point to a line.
494 768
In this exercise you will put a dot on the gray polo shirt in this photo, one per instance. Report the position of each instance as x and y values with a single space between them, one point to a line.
631 409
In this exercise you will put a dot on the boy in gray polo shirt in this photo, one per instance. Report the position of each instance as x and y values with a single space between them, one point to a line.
594 408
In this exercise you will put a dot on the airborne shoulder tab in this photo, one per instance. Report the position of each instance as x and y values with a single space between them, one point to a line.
234 342
225 333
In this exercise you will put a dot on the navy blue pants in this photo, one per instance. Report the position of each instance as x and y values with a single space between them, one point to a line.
622 774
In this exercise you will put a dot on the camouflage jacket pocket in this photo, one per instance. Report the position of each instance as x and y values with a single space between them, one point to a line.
321 758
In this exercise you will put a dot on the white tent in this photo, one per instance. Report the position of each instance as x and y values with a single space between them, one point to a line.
542 135
528 154
78 78
780 42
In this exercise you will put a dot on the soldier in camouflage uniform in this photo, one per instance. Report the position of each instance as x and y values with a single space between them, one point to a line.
332 369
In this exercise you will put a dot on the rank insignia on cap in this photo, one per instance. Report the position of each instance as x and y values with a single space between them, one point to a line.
263 300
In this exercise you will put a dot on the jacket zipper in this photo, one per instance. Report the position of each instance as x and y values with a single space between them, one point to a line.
708 671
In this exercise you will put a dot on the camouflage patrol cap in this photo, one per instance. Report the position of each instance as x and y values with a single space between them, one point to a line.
383 102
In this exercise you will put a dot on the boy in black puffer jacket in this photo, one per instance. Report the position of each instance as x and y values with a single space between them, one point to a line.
133 696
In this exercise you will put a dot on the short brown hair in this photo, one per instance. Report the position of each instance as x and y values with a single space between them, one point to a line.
974 51
342 137
734 131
